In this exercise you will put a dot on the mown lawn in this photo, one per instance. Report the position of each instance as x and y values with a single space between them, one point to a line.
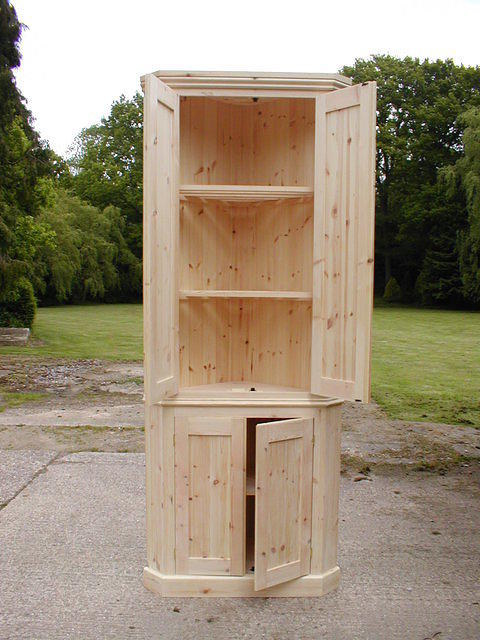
103 332
426 363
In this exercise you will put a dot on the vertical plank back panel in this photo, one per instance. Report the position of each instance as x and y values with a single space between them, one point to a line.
265 142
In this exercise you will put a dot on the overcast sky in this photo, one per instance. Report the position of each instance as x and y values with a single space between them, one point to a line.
79 56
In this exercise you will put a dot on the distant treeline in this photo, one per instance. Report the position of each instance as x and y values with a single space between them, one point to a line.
71 229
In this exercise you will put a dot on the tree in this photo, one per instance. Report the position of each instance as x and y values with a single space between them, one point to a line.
106 163
417 133
24 160
91 259
465 176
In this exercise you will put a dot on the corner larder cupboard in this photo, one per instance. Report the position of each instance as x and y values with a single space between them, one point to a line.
258 283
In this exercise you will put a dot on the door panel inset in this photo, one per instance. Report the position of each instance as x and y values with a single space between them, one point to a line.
210 495
283 501
160 239
344 225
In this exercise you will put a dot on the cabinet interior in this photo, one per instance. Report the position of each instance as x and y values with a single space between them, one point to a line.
241 141
245 269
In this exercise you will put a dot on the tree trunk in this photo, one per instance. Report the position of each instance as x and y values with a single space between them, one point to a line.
388 268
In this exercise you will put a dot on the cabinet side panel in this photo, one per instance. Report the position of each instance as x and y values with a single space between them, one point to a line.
159 489
326 487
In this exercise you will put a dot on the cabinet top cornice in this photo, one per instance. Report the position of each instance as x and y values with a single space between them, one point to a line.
205 81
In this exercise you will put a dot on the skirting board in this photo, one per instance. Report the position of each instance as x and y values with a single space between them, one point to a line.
178 586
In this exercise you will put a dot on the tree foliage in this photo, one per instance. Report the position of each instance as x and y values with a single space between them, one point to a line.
53 245
106 164
392 292
72 231
464 177
18 305
23 159
418 132
91 259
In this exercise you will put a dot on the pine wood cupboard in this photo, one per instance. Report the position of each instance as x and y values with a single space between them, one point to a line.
258 287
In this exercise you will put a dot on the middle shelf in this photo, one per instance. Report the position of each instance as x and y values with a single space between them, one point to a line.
227 293
244 194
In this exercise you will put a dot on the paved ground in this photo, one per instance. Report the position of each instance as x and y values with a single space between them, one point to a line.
72 552
72 523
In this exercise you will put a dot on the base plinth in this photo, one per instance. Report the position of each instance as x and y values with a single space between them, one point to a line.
178 586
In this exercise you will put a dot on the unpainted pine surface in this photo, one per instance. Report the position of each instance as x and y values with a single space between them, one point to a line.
244 194
267 247
343 242
341 223
260 143
209 460
326 489
160 239
265 341
283 501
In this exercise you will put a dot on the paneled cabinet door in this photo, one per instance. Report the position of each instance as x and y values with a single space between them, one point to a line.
210 495
160 239
283 503
344 211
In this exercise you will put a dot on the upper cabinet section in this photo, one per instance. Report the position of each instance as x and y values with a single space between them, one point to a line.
240 141
258 221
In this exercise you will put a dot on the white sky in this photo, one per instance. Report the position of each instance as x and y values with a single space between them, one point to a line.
79 56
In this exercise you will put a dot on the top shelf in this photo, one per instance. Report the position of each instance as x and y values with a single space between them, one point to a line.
243 194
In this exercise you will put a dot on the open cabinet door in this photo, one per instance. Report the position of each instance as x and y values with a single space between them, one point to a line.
160 239
344 218
283 503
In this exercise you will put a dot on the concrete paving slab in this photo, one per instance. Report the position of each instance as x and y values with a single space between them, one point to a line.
17 468
72 551
102 416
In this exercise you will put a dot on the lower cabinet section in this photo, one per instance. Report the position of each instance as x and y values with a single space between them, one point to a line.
253 508
210 498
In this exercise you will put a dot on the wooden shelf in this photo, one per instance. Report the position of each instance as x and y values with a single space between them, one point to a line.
243 194
215 293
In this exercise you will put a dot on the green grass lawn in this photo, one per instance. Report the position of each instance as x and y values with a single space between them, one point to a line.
104 332
426 363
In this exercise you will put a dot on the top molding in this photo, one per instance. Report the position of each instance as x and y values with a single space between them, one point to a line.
223 82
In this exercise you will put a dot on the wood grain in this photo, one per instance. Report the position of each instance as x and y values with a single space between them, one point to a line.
343 243
210 495
283 501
